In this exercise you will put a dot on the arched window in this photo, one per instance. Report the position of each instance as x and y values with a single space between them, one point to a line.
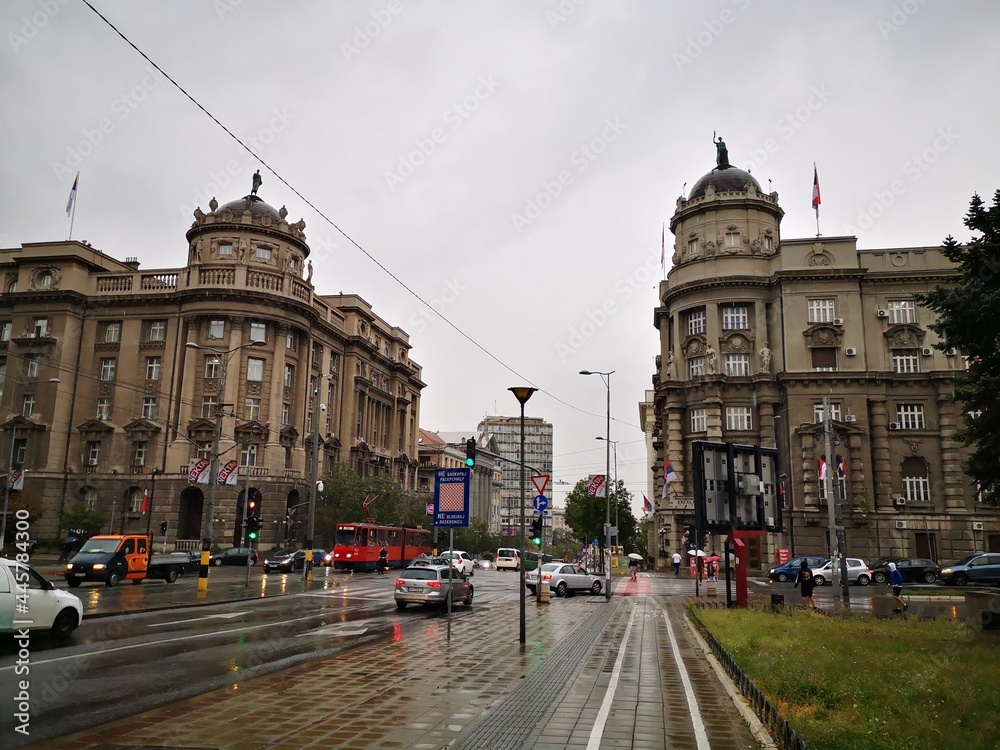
916 485
89 498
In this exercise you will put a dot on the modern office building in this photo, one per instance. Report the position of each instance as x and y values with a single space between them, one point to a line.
150 363
757 329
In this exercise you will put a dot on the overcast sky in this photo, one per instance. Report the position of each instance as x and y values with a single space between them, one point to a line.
511 162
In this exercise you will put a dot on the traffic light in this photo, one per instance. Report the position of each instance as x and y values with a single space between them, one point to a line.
163 528
470 452
536 530
253 527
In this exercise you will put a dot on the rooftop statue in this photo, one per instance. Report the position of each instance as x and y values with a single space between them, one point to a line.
721 152
257 181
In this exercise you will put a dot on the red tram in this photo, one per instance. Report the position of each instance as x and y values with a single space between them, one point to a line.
357 545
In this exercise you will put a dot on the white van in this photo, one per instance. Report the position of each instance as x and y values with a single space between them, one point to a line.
508 558
48 608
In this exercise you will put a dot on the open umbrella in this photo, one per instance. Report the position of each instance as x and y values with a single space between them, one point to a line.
699 552
712 558
634 556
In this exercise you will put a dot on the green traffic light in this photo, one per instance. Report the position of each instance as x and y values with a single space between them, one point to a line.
470 462
253 534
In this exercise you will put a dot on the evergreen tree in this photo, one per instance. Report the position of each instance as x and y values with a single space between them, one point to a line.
968 313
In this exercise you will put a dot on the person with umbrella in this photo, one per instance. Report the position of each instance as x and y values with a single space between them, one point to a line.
67 547
634 558
712 561
699 556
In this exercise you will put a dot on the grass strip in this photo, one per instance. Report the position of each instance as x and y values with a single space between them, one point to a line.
856 682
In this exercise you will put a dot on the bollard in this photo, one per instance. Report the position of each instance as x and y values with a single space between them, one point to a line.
543 593
711 588
777 600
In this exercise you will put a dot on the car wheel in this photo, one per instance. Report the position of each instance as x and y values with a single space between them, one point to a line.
596 588
400 605
561 589
217 562
930 576
782 577
72 583
820 580
880 578
468 599
114 577
864 580
65 623
961 579
172 575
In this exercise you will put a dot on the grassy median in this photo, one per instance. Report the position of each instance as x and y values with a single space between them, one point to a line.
860 683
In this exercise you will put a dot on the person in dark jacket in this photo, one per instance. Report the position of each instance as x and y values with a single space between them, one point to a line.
383 560
896 584
806 583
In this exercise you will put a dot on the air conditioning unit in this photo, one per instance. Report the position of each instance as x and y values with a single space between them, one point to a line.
883 313
977 525
92 462
893 425
900 524
850 418
951 352
927 351
851 351
838 321
900 500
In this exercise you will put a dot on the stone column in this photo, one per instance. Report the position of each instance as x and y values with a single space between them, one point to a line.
189 406
274 454
766 417
881 463
234 376
951 458
809 491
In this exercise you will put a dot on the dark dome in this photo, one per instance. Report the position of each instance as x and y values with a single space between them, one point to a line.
257 208
724 180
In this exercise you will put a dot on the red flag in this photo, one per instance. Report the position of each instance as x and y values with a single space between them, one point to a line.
816 200
145 499
647 507
822 467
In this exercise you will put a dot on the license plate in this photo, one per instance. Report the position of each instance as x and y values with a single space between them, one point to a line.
413 589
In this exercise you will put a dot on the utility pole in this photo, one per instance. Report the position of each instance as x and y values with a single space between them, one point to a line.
835 532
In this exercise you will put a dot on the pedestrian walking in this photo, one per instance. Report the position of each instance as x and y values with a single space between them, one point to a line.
677 563
383 560
896 584
633 567
67 547
806 583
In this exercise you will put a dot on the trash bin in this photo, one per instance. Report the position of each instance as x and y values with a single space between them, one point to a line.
777 600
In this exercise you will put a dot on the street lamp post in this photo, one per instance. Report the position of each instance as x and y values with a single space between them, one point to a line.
213 468
606 378
522 394
614 449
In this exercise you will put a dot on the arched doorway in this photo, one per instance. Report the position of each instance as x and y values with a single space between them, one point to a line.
253 510
191 508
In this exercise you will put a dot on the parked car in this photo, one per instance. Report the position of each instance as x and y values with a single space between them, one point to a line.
432 584
422 561
508 558
563 579
291 560
857 572
486 565
463 560
190 562
235 556
913 569
47 608
790 569
983 567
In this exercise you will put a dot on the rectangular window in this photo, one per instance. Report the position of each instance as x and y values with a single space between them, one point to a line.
286 411
251 408
916 489
135 501
28 405
139 454
248 455
289 376
93 453
910 416
258 331
693 246
216 329
5 328
32 364
104 408
3 377
732 239
824 359
835 412
696 322
822 311
157 331
738 365
208 404
263 252
768 242
906 361
334 363
735 318
839 486
699 420
20 451
203 450
255 370
109 366
291 341
696 366
149 407
41 327
902 311
112 332
225 250
153 367
739 418
212 366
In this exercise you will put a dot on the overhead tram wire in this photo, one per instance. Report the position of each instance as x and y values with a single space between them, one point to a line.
327 219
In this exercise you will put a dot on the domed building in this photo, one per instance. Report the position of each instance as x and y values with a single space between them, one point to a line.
124 380
756 329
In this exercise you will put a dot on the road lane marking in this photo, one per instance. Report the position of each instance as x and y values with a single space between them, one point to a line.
700 735
226 616
602 715
339 629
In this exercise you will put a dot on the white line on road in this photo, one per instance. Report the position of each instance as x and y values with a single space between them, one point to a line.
700 735
602 715
225 616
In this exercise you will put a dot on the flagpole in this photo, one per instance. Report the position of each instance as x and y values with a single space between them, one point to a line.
72 218
71 206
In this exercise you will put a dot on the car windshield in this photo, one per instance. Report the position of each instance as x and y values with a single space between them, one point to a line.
966 560
101 545
550 567
419 574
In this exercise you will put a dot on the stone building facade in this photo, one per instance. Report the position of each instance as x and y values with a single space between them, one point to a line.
756 329
141 357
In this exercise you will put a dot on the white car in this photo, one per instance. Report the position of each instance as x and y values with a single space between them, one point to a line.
563 579
857 572
47 608
462 561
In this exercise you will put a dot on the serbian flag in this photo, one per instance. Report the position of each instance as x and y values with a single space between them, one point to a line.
822 467
841 467
72 195
647 507
669 475
816 200
145 499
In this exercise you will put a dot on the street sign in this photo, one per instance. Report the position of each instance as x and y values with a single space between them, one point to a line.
541 481
540 502
451 497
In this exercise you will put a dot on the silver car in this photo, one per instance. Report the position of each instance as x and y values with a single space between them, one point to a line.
431 584
857 572
563 579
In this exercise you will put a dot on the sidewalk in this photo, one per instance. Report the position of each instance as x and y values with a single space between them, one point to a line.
621 674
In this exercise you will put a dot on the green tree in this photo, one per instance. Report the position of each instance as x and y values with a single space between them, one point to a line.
78 517
585 515
968 319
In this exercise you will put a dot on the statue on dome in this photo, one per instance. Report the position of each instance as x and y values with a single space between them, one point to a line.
257 181
721 152
309 272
